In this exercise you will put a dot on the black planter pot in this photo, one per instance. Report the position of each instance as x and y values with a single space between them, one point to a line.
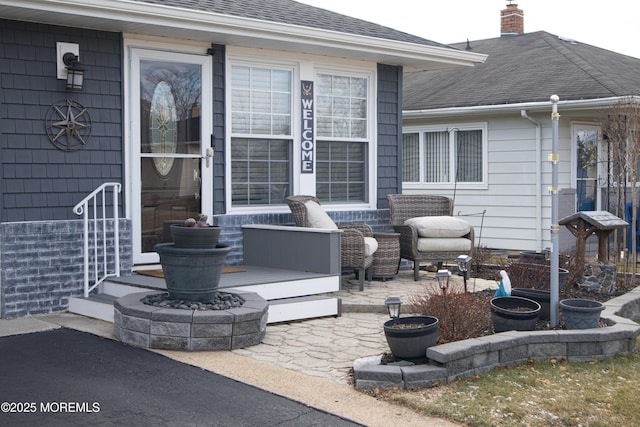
195 237
541 297
411 343
192 274
581 313
514 314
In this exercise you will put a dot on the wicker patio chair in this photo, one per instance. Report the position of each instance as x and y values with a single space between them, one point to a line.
352 240
403 207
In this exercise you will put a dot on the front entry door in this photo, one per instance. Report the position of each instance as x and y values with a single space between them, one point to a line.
172 167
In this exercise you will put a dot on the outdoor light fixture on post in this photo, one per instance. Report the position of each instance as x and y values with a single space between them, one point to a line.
393 307
75 72
443 279
464 264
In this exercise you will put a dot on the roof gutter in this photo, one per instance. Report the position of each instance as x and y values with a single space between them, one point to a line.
581 104
162 20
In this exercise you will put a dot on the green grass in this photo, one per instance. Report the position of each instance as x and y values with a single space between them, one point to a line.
551 393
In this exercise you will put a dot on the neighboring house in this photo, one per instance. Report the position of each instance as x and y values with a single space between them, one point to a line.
483 135
165 84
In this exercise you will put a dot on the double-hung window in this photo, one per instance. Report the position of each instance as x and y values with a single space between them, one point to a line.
261 134
441 157
342 142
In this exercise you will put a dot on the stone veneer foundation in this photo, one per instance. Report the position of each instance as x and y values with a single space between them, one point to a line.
462 359
147 326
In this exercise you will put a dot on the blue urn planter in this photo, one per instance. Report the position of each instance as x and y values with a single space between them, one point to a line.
514 314
581 313
192 274
409 337
195 237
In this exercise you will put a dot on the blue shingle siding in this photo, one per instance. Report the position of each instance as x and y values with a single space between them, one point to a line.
389 132
29 86
40 236
42 265
218 128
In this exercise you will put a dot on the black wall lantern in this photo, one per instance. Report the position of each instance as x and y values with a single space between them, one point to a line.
75 72
68 66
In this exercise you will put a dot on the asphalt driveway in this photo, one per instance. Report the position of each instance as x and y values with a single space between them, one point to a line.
66 377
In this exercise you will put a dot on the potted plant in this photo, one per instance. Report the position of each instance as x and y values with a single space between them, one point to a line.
511 313
192 265
409 337
581 313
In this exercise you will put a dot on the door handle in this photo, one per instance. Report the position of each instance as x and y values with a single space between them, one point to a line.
208 155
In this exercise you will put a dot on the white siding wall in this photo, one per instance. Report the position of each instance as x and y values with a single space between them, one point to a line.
518 211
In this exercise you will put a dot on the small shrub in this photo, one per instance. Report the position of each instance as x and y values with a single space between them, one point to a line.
462 315
481 256
537 276
531 276
569 262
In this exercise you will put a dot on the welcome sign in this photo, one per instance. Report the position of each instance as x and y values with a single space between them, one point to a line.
307 140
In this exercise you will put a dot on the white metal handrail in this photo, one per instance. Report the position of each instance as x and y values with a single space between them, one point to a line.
97 203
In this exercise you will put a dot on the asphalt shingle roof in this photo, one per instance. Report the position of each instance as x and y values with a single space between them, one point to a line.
292 12
525 68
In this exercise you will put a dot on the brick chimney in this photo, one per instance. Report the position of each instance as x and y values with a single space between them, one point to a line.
511 20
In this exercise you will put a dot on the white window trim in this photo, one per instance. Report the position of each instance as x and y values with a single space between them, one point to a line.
304 67
451 184
371 139
291 66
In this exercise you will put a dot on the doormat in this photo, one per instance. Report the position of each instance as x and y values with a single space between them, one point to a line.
160 274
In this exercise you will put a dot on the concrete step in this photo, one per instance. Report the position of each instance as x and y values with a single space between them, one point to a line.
120 289
299 308
282 290
98 306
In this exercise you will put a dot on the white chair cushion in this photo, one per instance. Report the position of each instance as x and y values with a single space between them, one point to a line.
439 226
445 244
370 246
317 217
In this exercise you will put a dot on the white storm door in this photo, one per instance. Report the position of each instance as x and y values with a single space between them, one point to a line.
172 169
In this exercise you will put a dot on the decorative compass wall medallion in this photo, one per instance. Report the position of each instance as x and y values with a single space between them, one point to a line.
68 125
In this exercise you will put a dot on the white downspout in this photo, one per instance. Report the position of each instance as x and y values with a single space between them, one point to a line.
524 115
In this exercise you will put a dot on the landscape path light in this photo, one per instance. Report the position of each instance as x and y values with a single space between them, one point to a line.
464 264
443 279
393 307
